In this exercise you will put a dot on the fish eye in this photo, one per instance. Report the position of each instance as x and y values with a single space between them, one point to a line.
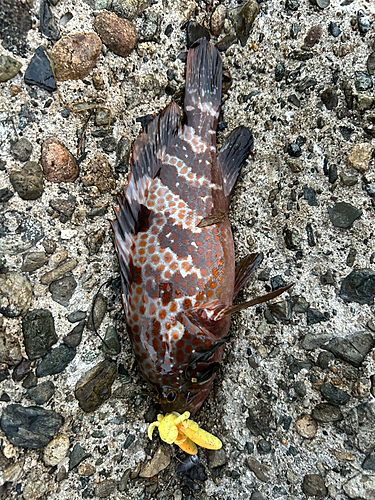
171 396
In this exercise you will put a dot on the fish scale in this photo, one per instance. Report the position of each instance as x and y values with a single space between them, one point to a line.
174 242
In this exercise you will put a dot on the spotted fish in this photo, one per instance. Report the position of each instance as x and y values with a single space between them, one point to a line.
174 242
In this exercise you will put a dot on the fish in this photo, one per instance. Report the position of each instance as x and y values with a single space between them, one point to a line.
174 242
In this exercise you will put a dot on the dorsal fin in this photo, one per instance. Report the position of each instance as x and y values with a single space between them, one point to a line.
147 159
233 155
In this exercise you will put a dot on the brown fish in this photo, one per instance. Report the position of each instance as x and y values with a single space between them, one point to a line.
174 242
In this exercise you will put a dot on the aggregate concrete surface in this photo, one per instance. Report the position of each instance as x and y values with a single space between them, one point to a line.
273 367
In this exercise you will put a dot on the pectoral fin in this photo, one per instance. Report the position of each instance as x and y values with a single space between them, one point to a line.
245 269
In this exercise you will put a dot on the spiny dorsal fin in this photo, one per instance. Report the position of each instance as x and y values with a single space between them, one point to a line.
233 155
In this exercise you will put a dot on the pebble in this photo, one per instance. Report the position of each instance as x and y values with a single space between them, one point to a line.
259 419
327 413
292 5
371 64
363 21
33 261
99 308
99 173
21 150
5 195
86 470
359 286
294 150
119 35
105 488
63 289
28 182
281 310
9 67
10 348
74 337
306 426
94 241
39 71
58 272
258 469
194 32
315 316
360 487
300 388
48 25
64 206
362 81
359 426
38 332
369 461
292 239
217 20
21 370
58 164
344 214
128 9
334 30
77 455
75 55
329 98
111 344
16 294
352 349
158 462
325 359
216 458
348 180
42 392
243 18
279 72
334 395
257 495
263 447
32 427
94 387
312 36
76 316
313 485
55 361
56 450
360 156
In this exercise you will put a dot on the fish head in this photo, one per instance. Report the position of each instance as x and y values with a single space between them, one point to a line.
181 400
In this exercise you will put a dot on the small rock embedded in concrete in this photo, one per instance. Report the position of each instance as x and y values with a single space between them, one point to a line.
39 71
363 21
360 156
362 81
33 261
99 173
94 241
42 392
111 344
334 395
119 35
371 63
359 427
16 294
312 36
64 206
48 24
334 30
243 18
105 488
217 20
56 450
300 388
76 55
360 487
313 485
327 413
292 5
73 339
348 180
279 72
306 426
159 462
94 387
369 461
86 470
359 286
294 150
257 495
352 349
28 182
292 239
77 455
97 312
22 149
315 316
39 332
258 469
21 370
32 427
63 289
343 214
9 67
55 361
329 98
281 310
76 316
10 348
263 447
58 272
216 458
259 419
58 164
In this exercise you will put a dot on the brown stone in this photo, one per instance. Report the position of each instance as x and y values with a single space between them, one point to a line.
313 35
360 156
306 426
74 56
99 173
58 164
118 34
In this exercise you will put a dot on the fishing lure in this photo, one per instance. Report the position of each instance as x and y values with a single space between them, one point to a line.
175 249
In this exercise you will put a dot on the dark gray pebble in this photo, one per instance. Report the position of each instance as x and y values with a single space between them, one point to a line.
97 312
55 361
329 98
76 316
313 485
28 182
188 463
359 286
324 359
105 488
362 81
194 32
5 195
263 447
94 387
74 337
292 5
9 67
111 344
38 332
216 458
327 413
227 41
243 18
39 71
309 194
371 63
281 310
369 461
30 381
346 132
21 370
294 30
352 349
22 149
63 289
197 473
334 395
190 483
77 455
292 239
257 495
370 188
343 214
42 392
33 261
259 419
359 425
299 304
300 388
30 427
64 206
294 150
334 30
129 441
48 24
301 54
314 316
363 21
94 241
279 72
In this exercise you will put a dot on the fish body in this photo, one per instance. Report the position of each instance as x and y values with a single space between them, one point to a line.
174 242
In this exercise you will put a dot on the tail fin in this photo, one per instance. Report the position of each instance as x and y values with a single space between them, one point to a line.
203 87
